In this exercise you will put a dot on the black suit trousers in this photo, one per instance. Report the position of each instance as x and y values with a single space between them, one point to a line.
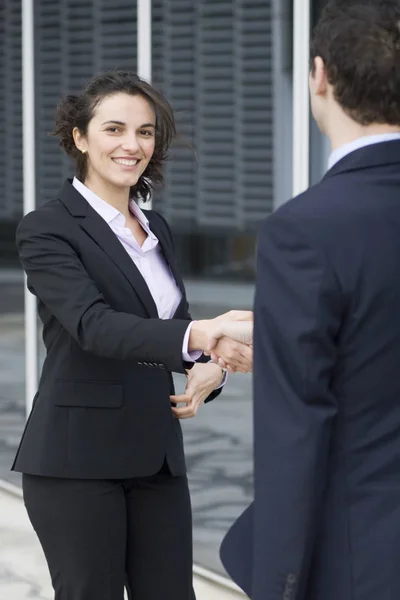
101 535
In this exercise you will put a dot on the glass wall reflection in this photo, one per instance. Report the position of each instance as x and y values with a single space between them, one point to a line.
12 365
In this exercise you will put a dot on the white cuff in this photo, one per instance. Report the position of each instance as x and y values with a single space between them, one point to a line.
186 355
224 380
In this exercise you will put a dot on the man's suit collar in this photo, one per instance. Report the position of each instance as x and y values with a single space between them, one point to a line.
375 155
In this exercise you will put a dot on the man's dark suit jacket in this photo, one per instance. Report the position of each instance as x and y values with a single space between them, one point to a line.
103 406
325 522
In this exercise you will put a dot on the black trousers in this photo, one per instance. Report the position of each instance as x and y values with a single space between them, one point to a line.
101 535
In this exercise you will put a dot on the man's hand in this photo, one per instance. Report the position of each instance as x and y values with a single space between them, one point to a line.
232 356
235 315
202 332
202 380
240 331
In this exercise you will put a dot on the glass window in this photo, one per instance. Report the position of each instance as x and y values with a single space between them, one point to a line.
12 363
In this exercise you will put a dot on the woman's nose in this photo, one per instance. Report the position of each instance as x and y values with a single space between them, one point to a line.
131 143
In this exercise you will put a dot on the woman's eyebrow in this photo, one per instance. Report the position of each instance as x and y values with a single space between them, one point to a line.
122 123
115 122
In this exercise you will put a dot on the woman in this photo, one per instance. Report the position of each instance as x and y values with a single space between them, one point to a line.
102 456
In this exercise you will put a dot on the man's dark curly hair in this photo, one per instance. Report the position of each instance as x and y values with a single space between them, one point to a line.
359 42
77 111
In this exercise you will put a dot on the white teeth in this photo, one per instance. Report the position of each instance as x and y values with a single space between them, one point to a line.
125 162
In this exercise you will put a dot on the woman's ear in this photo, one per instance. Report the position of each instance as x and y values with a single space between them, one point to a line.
79 140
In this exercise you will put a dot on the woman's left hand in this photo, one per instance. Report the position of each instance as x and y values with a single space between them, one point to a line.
202 380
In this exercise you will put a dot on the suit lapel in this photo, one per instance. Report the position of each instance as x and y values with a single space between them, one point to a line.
159 230
166 247
104 237
101 233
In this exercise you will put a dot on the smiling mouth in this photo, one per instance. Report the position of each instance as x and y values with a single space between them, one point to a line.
126 162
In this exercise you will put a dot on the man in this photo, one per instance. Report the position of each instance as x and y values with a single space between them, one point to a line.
325 523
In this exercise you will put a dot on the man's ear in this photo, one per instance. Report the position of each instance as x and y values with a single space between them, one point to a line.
319 77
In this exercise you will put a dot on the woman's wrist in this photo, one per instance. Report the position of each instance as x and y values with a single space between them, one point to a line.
199 335
220 373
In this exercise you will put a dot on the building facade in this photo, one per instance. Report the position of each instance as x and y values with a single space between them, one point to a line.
225 66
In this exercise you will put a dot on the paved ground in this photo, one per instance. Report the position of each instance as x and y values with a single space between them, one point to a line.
218 439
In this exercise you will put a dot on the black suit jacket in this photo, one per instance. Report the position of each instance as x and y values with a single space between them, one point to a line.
103 406
325 523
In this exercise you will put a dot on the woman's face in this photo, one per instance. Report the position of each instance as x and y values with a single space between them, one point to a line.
119 142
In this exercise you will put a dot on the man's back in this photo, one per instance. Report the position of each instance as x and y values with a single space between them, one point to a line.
326 521
359 206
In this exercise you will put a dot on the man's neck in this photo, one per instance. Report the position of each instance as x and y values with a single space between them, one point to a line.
347 133
359 142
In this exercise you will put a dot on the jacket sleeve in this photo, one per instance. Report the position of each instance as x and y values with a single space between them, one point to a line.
298 308
56 275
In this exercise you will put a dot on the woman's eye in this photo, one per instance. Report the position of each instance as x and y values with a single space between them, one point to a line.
113 129
147 133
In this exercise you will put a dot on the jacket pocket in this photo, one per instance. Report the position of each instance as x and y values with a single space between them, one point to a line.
88 394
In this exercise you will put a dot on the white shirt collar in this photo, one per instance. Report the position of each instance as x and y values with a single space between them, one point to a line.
361 142
108 212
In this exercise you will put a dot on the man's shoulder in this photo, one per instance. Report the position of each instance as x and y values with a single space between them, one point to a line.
321 215
321 206
323 200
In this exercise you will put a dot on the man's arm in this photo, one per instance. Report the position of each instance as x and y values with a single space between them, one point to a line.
297 316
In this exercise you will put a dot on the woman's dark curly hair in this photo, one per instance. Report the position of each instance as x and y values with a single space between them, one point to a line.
77 111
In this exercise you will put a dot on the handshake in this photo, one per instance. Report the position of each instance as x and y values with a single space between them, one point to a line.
227 339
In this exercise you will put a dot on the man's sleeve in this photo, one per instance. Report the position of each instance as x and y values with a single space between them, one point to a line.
297 315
